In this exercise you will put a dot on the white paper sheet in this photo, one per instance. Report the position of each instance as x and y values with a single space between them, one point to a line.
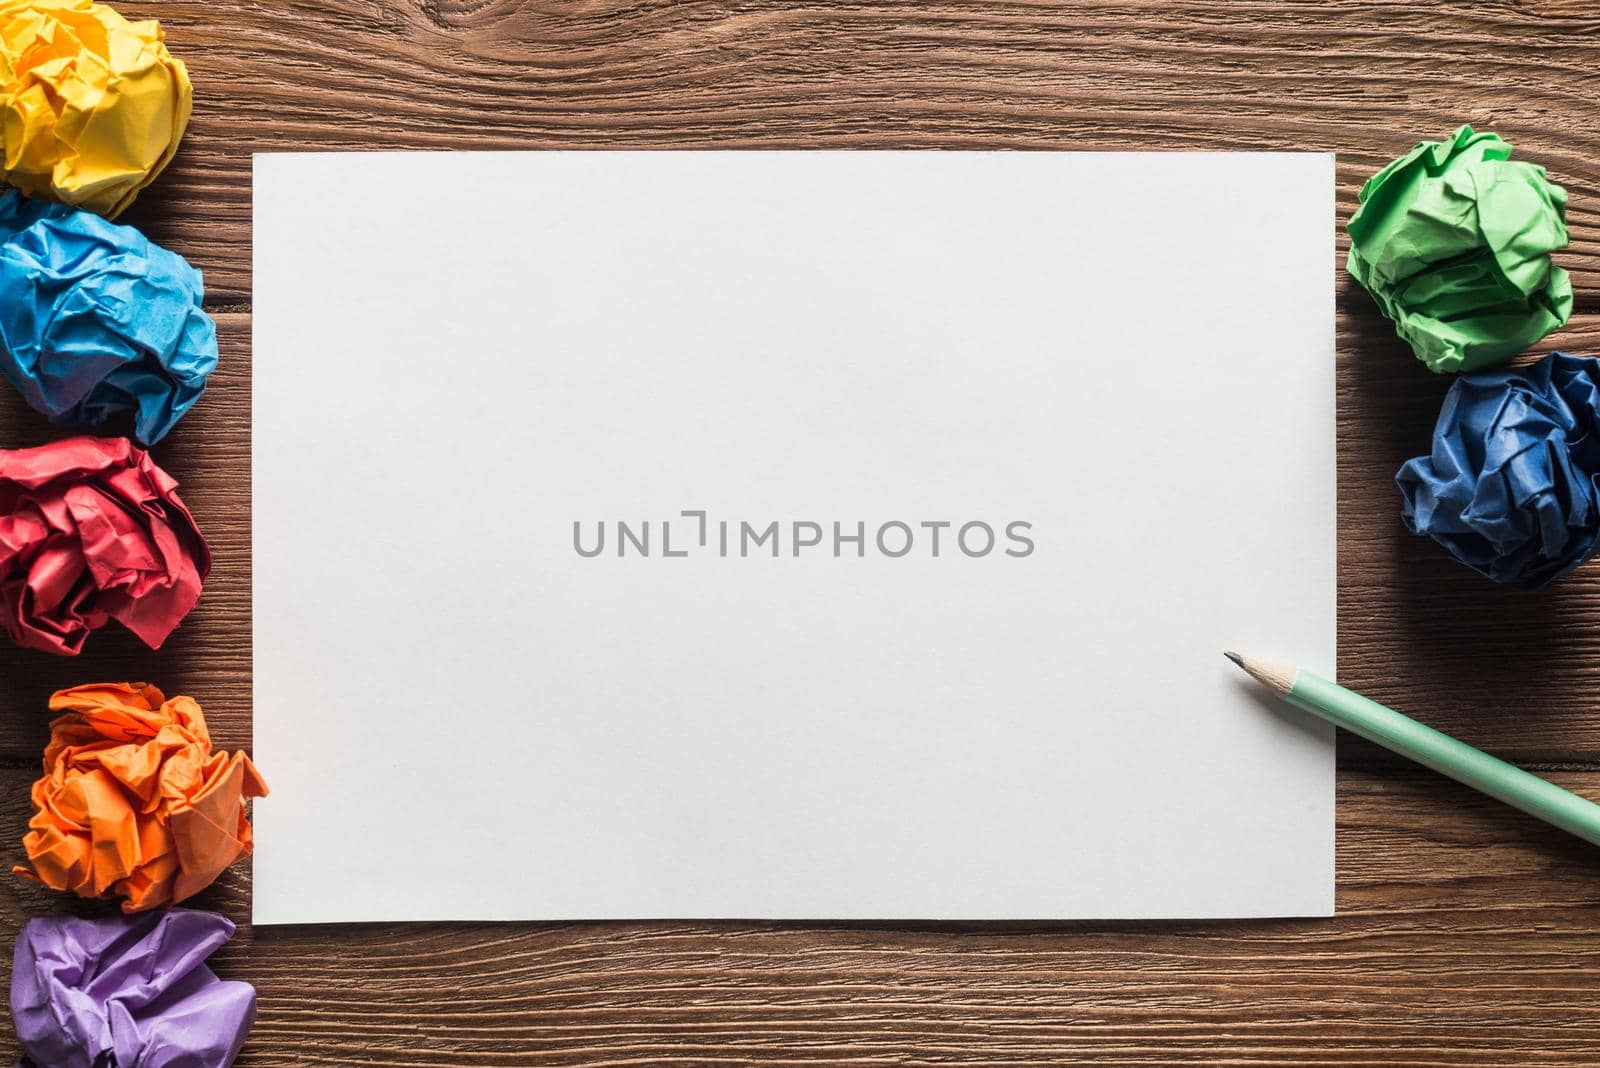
457 357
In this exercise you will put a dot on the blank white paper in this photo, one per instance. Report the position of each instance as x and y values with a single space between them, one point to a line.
462 716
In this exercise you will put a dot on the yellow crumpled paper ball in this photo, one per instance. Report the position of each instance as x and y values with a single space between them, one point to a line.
92 106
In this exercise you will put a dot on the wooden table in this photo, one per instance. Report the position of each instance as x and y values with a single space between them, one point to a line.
1466 933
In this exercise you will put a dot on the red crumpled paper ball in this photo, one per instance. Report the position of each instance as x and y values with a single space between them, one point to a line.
92 530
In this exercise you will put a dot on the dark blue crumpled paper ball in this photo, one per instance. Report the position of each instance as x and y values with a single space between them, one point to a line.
1510 486
96 321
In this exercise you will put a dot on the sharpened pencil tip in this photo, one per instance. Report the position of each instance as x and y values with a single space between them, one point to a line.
1278 676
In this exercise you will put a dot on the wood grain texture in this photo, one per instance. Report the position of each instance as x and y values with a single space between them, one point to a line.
1467 933
1512 672
1363 79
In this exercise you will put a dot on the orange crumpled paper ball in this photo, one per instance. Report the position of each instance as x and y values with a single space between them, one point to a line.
133 803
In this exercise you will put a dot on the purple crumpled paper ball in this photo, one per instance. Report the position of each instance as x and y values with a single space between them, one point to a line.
127 992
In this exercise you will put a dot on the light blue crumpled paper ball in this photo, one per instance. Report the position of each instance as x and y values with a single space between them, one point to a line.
97 322
1510 485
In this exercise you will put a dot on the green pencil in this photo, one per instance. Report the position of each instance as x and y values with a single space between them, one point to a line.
1431 748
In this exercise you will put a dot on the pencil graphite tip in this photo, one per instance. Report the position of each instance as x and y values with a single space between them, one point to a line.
1236 658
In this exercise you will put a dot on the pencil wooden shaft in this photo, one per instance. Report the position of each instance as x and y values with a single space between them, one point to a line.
1444 754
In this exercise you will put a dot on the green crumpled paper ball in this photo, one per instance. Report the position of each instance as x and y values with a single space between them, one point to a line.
1453 240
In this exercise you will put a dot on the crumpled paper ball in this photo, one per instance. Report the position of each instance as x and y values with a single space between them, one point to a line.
92 530
96 322
127 992
133 802
1453 241
92 106
1510 486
